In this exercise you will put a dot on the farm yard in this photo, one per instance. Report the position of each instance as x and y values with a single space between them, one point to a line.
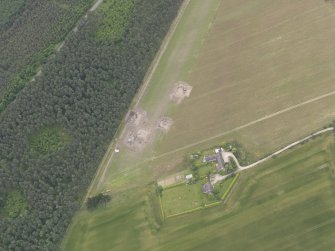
194 189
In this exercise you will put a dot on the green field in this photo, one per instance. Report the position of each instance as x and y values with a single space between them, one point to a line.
184 197
287 203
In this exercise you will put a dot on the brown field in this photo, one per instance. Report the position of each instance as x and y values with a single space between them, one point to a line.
259 58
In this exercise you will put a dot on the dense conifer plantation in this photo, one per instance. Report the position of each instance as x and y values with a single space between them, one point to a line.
54 134
31 31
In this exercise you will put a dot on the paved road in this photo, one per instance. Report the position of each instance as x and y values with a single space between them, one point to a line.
216 178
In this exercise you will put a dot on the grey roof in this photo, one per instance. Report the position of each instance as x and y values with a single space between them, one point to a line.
207 188
220 161
210 158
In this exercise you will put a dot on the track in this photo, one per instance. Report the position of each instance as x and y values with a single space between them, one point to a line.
246 125
242 168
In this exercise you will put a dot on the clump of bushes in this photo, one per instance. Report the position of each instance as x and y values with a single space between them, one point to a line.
98 201
13 204
48 140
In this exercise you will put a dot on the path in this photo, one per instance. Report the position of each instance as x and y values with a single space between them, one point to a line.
96 5
216 178
247 125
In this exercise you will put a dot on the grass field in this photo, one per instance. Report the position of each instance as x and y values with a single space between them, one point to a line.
287 203
184 197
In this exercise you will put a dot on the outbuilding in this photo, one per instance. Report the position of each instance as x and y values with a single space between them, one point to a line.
207 188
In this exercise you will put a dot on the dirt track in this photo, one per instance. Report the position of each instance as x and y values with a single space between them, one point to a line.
247 125
218 178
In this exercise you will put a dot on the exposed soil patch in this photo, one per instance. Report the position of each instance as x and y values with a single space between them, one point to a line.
137 117
139 131
164 123
137 139
171 180
180 91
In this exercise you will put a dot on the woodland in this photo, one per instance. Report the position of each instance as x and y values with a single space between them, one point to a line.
55 130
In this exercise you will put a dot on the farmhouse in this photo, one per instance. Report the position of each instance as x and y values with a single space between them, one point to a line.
208 159
220 160
217 157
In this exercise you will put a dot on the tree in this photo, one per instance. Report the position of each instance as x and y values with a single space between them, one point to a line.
159 190
98 200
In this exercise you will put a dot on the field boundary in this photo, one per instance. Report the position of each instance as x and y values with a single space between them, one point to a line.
195 209
174 185
230 187
216 203
161 207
